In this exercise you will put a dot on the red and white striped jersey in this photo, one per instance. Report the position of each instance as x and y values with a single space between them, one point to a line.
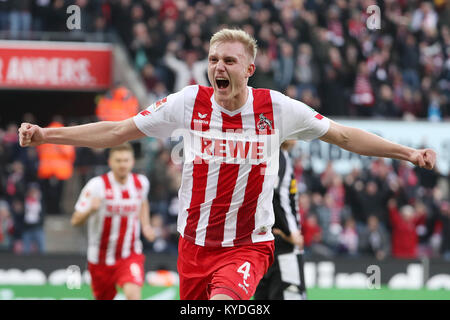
113 231
230 159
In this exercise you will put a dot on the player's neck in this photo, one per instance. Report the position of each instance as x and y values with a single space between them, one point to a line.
120 179
235 102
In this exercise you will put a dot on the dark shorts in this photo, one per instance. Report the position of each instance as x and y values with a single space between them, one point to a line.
285 279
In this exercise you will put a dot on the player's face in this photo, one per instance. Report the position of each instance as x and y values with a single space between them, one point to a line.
121 163
229 68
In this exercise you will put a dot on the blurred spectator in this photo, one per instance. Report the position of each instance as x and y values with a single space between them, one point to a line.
149 76
306 70
445 219
421 215
40 11
121 19
118 104
20 17
33 220
164 181
90 163
15 182
55 167
56 17
17 210
10 141
4 14
264 75
424 18
411 103
408 178
348 239
363 96
284 66
162 243
374 240
326 213
312 233
6 226
158 93
385 107
404 235
434 113
189 70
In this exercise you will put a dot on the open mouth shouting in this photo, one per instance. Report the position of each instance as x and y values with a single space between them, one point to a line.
222 83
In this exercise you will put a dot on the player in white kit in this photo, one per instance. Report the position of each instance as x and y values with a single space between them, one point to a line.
115 206
231 134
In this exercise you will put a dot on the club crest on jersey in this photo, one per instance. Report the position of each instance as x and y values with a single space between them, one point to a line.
263 123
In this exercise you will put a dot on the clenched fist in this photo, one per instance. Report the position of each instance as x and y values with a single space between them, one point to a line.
30 135
424 158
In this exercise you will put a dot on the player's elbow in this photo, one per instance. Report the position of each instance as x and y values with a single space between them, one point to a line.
344 138
339 135
124 131
117 134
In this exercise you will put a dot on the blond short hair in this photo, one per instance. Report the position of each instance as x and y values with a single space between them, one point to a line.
236 35
122 147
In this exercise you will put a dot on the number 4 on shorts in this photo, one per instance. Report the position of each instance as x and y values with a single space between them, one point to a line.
245 270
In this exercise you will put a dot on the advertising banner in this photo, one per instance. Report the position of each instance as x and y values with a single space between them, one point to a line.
40 65
416 134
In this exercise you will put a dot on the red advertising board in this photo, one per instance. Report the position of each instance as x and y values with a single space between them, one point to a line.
55 65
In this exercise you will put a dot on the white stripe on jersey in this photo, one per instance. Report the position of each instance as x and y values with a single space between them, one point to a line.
137 240
205 208
236 203
113 237
126 249
184 196
211 189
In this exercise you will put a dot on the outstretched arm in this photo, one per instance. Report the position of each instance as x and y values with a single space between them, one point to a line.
103 134
369 144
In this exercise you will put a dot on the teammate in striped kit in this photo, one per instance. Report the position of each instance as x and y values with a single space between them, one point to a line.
231 133
115 205
285 279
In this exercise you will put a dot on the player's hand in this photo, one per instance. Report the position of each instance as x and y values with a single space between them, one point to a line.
30 135
294 238
424 158
148 233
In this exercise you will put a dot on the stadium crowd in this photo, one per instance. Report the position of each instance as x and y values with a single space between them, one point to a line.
319 52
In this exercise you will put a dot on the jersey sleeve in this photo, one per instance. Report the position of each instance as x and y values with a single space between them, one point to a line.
162 117
299 121
93 189
145 186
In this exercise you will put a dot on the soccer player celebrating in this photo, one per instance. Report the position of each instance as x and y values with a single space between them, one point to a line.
231 131
116 206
